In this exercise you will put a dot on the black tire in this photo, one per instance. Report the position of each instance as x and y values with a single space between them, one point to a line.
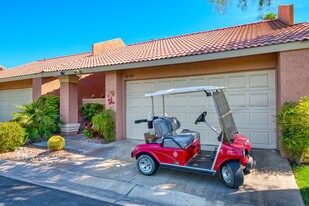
147 165
232 174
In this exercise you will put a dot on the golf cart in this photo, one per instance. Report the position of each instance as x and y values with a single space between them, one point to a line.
166 148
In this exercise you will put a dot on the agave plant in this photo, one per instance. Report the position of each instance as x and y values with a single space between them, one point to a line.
39 118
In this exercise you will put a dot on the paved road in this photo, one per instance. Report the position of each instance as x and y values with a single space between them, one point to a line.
14 192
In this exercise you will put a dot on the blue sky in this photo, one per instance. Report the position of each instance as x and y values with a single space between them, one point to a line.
37 29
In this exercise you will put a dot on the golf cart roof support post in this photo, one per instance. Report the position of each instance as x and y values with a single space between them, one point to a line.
152 105
163 104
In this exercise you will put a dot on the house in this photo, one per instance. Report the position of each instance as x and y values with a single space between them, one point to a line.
263 64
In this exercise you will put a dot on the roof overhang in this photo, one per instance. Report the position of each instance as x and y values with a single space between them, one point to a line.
179 60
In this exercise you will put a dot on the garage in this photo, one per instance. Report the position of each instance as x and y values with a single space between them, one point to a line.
10 98
252 98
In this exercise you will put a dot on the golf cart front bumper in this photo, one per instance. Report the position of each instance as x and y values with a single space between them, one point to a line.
251 163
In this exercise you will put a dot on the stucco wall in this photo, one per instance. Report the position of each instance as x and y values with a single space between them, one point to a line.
115 85
257 62
50 85
16 84
293 75
90 85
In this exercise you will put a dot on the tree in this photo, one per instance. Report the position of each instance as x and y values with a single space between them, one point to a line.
242 4
269 16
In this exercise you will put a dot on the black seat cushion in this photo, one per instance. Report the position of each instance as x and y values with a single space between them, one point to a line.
183 140
195 134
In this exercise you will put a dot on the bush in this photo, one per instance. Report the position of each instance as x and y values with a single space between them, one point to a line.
293 122
87 133
12 136
56 143
40 118
105 125
89 110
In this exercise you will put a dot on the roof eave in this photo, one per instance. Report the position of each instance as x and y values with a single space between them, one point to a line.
179 60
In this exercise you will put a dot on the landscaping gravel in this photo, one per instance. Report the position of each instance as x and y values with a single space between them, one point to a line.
36 155
94 140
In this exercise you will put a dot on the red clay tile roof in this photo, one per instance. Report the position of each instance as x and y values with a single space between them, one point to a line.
41 65
232 38
252 35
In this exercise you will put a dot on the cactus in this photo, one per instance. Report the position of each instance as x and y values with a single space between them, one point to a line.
56 143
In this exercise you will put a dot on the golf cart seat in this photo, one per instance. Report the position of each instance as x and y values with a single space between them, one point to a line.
175 124
163 131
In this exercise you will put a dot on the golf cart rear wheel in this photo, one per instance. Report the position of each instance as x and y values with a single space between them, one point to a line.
232 174
147 165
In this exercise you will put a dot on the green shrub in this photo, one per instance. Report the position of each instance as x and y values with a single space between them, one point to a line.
40 118
90 109
105 125
293 122
87 133
56 143
306 157
12 136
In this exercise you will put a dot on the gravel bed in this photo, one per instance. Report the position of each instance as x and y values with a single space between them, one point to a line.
36 155
94 140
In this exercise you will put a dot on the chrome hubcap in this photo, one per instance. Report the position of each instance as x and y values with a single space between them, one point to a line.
145 165
226 174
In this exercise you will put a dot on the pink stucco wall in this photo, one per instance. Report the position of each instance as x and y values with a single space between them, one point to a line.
293 76
36 88
90 85
114 84
68 100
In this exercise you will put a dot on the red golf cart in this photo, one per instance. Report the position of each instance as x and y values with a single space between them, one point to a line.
165 147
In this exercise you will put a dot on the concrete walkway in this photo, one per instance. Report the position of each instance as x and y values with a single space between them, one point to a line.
107 172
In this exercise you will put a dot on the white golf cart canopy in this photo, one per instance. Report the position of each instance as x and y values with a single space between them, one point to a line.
185 90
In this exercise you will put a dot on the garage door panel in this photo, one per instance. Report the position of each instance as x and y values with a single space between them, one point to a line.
216 81
240 118
236 82
135 88
163 85
237 99
180 101
180 83
251 96
259 118
197 82
10 98
197 100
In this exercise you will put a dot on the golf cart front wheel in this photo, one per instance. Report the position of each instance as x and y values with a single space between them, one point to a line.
147 165
232 174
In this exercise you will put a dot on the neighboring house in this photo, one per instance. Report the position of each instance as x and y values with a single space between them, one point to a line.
262 64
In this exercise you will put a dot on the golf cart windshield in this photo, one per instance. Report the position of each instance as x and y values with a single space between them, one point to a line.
225 116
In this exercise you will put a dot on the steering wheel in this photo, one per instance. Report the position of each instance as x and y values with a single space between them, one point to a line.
201 118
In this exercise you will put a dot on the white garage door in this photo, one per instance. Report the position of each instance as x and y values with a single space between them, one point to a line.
251 96
10 98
